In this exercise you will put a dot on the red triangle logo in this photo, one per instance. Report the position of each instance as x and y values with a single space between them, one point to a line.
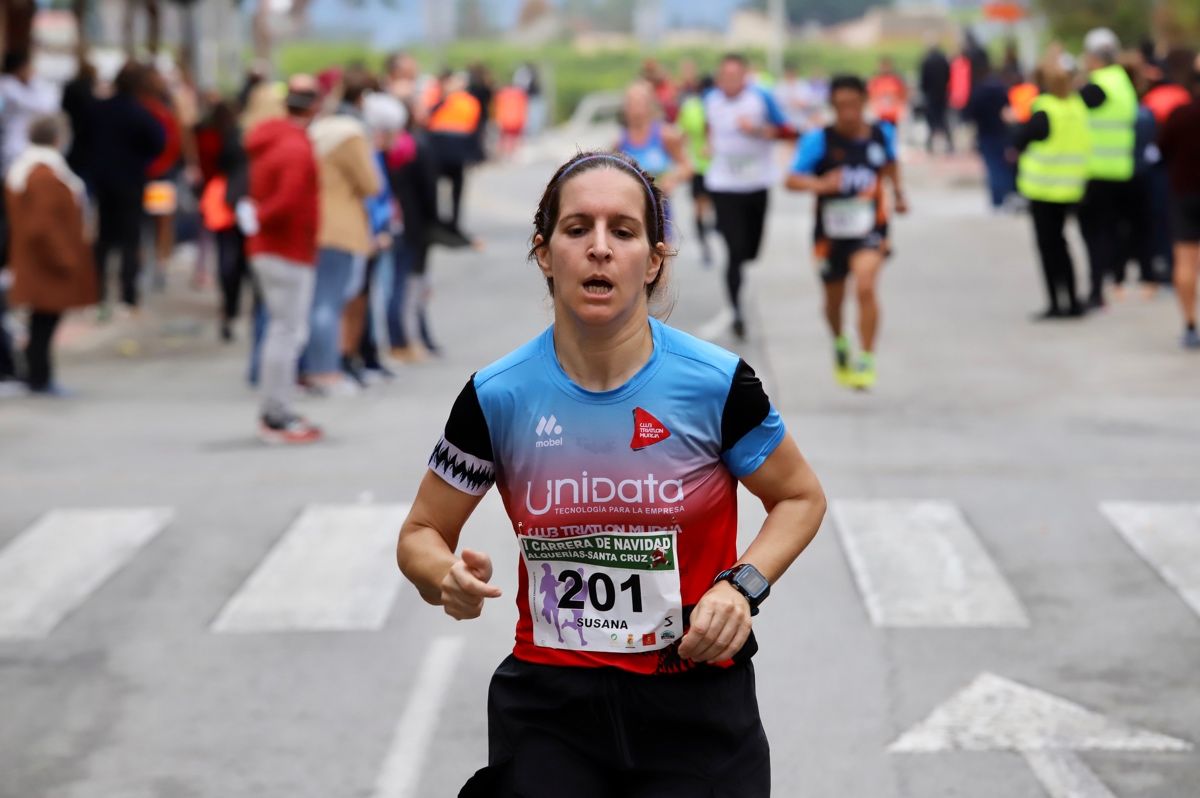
647 430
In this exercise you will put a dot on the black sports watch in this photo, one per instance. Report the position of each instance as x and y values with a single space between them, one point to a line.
748 581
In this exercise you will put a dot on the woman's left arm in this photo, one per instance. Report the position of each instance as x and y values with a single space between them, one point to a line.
795 504
681 170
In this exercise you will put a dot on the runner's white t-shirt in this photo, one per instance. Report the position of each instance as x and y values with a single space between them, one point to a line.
740 163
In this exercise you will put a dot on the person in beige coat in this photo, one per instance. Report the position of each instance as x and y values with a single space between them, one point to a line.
50 257
348 176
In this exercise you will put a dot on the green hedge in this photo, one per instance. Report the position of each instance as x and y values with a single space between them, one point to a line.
573 74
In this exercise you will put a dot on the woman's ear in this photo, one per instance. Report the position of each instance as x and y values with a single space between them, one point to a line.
658 257
541 251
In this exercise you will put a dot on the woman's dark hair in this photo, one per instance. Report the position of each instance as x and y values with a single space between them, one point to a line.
852 82
131 80
654 208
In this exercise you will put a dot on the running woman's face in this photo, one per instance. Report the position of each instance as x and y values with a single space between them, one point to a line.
599 256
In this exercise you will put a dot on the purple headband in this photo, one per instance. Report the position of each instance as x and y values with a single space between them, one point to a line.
604 156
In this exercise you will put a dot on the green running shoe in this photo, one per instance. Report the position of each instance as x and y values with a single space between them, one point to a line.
863 376
841 361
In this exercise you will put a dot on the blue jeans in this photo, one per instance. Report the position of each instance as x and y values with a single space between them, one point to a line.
1000 176
336 270
401 256
258 334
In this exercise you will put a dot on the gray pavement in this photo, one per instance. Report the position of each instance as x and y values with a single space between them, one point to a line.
1025 428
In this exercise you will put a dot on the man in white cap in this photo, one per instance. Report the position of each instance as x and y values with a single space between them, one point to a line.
1112 103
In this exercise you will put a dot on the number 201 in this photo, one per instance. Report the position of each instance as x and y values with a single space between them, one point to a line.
575 586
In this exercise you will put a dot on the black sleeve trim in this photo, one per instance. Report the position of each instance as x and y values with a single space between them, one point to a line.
746 406
463 457
1036 129
1093 96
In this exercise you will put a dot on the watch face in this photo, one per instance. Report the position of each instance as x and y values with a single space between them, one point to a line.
752 581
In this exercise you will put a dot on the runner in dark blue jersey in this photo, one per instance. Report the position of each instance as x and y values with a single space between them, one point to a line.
846 165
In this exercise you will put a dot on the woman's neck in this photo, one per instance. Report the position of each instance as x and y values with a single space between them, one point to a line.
602 359
639 131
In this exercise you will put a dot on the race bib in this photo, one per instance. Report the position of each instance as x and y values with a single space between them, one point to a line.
604 592
742 165
852 217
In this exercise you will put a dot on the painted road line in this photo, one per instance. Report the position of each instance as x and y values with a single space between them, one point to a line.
333 570
1167 537
401 772
997 714
53 566
918 564
1064 775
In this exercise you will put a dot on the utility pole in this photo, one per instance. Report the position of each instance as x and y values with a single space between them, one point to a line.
778 15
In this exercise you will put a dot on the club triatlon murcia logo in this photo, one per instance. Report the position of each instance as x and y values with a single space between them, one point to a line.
647 430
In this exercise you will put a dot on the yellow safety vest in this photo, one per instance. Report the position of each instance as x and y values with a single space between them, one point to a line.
1056 168
1112 126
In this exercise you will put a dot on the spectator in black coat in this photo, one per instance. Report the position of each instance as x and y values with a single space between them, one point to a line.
127 138
79 104
935 93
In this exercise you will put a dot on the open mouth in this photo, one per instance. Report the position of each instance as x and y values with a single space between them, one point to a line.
598 286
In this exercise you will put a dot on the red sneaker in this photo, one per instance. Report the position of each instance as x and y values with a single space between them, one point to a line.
293 430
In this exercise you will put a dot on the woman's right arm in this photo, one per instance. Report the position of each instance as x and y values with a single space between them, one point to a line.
426 550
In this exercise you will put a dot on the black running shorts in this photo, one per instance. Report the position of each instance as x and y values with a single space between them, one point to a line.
1185 219
606 733
834 255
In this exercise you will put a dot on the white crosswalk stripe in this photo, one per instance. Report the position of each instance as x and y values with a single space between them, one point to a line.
1167 537
53 566
919 564
333 570
915 564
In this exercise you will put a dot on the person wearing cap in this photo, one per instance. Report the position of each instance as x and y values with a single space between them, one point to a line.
1112 104
282 245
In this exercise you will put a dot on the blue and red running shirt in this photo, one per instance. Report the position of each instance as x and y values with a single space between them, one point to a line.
624 502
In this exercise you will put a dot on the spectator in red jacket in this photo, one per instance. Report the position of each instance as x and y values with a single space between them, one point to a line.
280 219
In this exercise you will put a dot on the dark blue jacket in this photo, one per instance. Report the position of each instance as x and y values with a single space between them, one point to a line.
986 107
126 139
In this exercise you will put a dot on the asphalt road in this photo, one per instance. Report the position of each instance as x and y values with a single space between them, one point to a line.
191 654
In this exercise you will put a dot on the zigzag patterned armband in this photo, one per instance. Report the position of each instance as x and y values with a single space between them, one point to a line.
464 471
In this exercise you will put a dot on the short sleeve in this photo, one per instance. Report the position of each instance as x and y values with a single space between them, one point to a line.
751 429
775 114
463 456
809 152
889 141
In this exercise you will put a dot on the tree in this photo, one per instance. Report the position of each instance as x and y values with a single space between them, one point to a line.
1177 22
1072 19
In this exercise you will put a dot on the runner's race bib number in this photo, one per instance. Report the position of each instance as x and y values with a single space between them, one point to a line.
604 592
742 165
852 217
